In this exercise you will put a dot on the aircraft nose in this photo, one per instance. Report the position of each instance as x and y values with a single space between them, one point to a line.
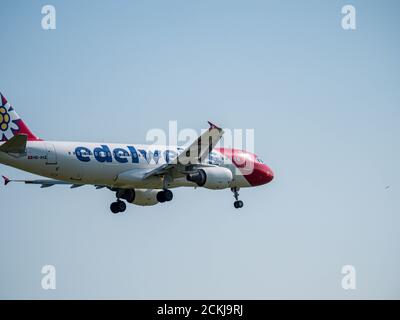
267 174
261 174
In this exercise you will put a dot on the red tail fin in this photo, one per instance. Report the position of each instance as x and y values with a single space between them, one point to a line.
11 124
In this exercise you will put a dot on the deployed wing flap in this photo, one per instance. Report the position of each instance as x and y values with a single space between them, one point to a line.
76 186
47 185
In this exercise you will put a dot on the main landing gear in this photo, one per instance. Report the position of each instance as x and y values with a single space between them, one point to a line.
238 203
165 195
125 194
118 206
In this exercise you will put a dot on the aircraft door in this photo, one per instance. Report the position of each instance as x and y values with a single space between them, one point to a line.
51 154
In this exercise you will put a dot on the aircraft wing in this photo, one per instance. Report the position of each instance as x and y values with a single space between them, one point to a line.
194 154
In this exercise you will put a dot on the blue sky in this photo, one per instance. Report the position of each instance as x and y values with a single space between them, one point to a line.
324 104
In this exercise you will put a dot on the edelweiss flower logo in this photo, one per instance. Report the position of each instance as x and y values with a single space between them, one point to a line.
4 119
8 122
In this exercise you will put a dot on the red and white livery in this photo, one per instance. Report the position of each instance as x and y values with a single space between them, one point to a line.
138 174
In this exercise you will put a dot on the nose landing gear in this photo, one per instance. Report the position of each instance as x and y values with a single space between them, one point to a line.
238 203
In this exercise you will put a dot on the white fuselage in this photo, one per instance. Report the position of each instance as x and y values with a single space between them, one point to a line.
105 163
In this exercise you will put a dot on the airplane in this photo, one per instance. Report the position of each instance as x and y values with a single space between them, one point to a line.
138 174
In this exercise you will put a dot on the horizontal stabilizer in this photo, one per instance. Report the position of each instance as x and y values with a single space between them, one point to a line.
45 183
16 144
6 180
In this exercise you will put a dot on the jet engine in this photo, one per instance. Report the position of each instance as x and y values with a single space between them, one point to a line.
145 197
140 197
212 177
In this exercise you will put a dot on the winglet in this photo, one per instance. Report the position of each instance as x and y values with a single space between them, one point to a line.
213 126
6 180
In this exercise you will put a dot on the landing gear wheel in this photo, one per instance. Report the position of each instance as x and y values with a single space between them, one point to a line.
168 195
121 206
114 207
238 204
118 206
165 195
160 197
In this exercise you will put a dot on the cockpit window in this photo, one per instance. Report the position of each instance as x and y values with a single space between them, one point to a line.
215 159
259 160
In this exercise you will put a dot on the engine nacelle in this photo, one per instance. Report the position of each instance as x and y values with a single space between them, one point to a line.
145 197
212 178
